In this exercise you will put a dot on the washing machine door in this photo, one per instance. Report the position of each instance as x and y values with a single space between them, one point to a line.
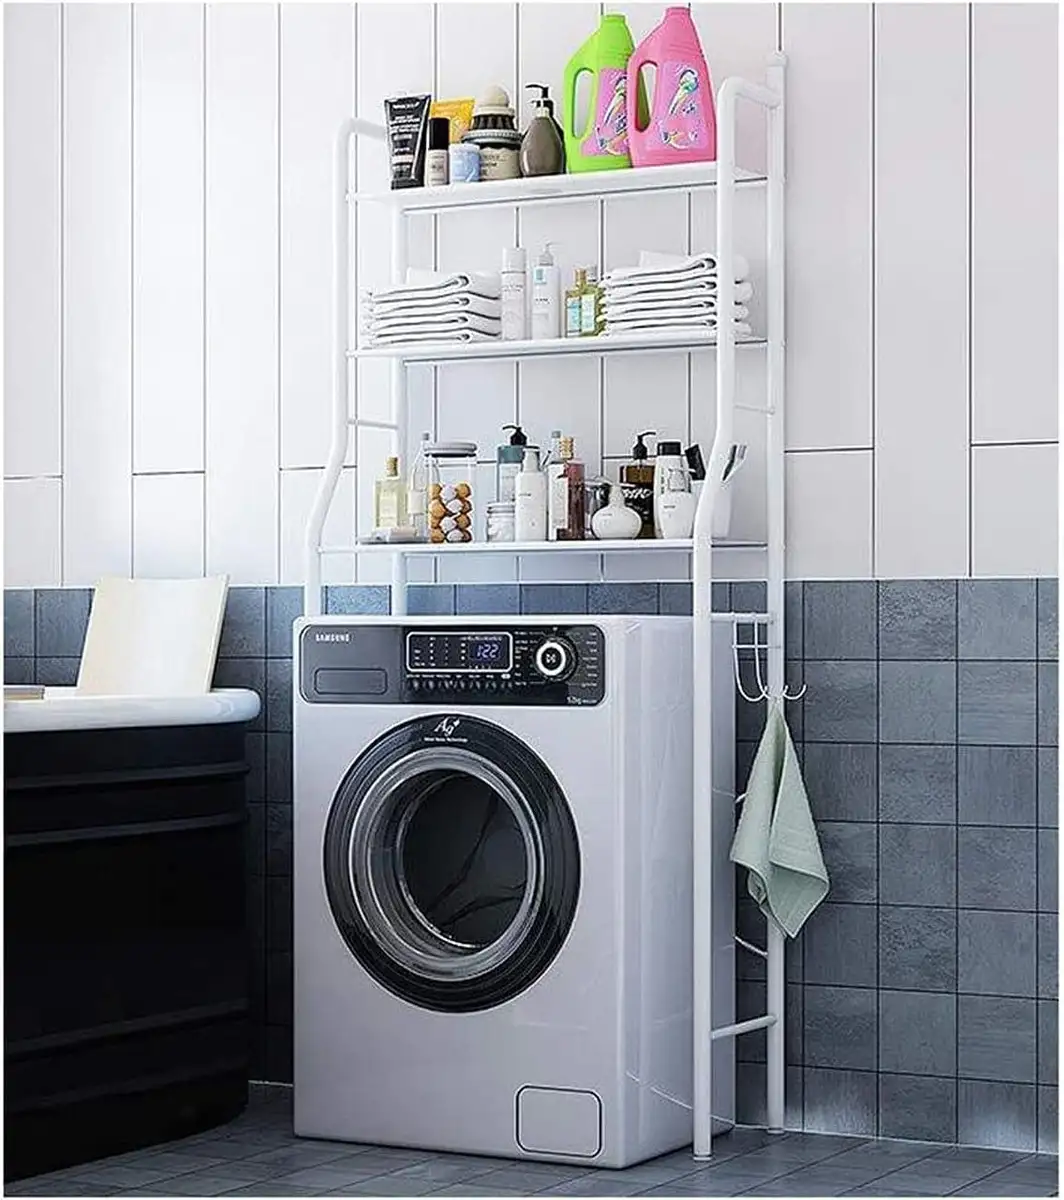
451 863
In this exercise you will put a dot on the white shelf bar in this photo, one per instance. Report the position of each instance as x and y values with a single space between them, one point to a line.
589 546
644 343
771 100
555 189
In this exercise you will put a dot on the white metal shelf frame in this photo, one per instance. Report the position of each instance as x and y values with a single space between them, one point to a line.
724 177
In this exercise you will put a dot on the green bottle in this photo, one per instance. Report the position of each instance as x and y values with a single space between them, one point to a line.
603 145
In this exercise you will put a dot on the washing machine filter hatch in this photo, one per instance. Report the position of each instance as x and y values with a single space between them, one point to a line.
451 863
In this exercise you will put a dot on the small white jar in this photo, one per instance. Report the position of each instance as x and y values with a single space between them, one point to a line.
500 521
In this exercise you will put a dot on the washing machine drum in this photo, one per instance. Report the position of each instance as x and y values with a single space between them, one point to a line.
451 863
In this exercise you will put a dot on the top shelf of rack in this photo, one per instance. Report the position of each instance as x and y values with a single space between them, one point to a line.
556 189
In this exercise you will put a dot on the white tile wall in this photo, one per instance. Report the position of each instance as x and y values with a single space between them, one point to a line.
167 220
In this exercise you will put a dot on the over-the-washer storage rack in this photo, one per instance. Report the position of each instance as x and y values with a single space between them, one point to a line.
724 177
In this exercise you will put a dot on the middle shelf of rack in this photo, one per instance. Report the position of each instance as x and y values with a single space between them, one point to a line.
496 348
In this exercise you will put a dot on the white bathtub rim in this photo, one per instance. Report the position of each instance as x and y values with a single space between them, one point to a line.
66 708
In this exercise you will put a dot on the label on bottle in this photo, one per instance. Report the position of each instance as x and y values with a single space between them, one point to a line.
557 502
572 316
436 163
588 313
680 106
389 506
514 300
609 136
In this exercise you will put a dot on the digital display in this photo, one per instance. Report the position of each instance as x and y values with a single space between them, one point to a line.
459 652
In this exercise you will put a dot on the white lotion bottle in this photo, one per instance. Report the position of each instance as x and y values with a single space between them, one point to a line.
530 500
513 283
546 297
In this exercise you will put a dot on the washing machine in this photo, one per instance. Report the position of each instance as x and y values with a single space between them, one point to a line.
493 882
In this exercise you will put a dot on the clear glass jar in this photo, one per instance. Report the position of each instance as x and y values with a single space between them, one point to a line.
450 469
500 521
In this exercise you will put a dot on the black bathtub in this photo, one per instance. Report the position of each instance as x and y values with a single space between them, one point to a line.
126 994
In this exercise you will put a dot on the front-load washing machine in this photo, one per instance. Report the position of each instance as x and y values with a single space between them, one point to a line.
493 884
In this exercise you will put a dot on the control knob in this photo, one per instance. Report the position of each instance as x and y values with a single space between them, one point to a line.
555 658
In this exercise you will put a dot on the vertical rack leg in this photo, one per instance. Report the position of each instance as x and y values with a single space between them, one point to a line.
775 1051
399 406
399 575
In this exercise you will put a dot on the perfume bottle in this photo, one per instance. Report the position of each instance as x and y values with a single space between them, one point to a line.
389 497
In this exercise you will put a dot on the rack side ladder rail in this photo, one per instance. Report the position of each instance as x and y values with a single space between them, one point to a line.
770 98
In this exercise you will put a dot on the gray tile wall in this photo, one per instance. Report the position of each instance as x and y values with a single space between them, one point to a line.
921 997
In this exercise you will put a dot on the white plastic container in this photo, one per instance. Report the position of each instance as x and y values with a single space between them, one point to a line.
530 500
546 297
514 294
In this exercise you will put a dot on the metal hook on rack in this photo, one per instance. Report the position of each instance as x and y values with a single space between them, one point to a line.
763 690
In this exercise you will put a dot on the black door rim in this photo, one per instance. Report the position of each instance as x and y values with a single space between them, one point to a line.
375 912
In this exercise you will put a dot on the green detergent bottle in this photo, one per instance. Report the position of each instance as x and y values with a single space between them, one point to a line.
603 144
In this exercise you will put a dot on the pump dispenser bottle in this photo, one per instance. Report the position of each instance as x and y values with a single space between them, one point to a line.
530 500
542 147
508 460
637 484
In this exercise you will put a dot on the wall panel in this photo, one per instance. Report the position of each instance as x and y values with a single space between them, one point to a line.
32 239
317 57
829 219
32 539
921 230
242 292
1015 510
1014 222
97 293
168 264
829 514
168 526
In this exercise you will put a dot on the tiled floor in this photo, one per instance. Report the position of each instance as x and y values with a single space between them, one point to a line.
257 1155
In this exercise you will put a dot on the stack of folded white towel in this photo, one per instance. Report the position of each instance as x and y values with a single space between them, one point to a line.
668 292
430 307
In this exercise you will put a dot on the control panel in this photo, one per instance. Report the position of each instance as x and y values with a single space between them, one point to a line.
559 665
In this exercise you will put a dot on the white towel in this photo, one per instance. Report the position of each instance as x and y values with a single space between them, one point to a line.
420 337
668 268
378 310
685 323
685 290
437 324
431 285
621 309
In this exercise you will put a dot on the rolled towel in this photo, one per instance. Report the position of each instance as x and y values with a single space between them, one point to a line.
619 311
432 285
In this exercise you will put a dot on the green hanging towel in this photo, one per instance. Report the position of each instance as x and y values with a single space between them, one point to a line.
776 839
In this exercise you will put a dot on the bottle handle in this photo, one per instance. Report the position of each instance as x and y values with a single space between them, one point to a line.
638 108
573 71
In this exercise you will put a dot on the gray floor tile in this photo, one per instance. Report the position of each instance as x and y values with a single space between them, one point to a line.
439 1169
593 1186
472 1189
329 1175
272 1187
881 1189
297 1154
516 1175
385 1185
124 1175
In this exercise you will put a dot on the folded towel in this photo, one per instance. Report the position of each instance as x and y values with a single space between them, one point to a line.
654 266
673 325
432 285
437 324
690 289
776 839
618 310
412 338
379 310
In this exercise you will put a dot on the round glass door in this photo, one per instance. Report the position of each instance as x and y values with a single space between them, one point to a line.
451 863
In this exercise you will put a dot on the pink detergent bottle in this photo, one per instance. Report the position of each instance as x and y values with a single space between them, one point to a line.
683 121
